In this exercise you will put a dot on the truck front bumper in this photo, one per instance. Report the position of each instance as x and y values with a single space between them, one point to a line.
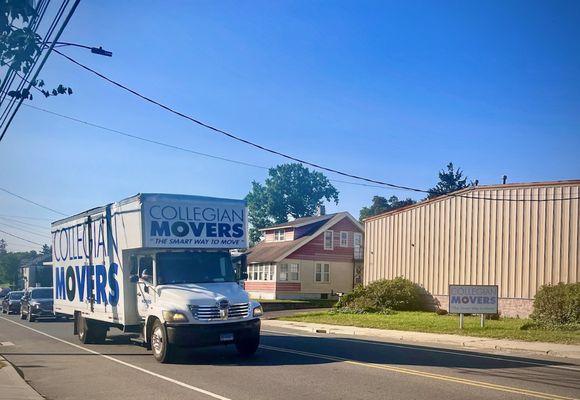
200 335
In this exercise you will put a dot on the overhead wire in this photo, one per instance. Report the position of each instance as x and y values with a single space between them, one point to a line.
279 153
21 238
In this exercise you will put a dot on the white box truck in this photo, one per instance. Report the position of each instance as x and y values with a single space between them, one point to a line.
158 265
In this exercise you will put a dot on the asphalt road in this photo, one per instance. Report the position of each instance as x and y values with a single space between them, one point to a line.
289 365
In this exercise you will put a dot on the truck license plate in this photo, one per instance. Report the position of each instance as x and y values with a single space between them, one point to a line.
226 337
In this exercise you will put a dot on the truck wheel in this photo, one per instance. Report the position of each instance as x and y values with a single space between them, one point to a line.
90 331
247 346
162 349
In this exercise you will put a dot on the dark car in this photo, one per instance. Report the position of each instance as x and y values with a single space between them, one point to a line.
11 302
37 303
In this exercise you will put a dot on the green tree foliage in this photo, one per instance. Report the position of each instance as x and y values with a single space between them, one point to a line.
381 204
290 191
450 180
3 246
20 45
46 250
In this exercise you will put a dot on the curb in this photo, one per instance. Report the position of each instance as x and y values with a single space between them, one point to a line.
536 348
13 386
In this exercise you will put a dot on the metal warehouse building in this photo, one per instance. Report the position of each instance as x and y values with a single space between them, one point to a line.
516 236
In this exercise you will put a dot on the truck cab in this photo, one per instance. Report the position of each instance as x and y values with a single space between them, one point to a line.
193 299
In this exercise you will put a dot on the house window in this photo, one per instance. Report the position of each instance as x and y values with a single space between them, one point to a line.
328 245
279 235
261 272
322 273
289 272
343 239
357 239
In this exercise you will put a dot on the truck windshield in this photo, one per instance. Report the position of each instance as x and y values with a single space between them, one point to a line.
41 294
194 267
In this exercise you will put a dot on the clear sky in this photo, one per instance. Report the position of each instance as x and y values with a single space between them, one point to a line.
388 90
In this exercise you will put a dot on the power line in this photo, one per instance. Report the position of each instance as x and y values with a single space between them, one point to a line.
21 238
45 236
32 202
230 135
174 147
16 221
276 152
25 217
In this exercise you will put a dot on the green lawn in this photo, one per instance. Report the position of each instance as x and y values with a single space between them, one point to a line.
505 328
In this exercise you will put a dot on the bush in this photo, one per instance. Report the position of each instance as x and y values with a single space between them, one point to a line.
557 305
397 294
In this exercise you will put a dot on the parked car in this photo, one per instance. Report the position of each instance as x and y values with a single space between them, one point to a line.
37 303
11 302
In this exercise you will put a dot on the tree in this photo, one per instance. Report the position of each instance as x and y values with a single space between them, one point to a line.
290 191
3 246
381 204
46 250
20 45
449 181
9 263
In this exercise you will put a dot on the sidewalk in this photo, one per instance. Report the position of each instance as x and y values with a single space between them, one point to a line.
13 386
538 348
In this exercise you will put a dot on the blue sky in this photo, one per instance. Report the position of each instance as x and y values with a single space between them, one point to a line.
388 90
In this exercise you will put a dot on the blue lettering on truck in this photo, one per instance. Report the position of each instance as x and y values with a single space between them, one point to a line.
77 283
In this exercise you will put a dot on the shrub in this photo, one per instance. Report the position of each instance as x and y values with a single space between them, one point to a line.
397 294
557 305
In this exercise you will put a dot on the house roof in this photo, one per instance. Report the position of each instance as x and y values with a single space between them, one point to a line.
300 222
277 251
478 188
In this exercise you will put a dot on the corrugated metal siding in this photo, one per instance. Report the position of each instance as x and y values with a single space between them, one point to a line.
516 245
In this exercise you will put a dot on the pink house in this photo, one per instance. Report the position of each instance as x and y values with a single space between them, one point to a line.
308 258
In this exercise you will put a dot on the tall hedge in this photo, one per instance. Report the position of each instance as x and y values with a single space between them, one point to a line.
396 294
557 305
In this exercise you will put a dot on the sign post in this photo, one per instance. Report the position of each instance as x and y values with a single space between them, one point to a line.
473 299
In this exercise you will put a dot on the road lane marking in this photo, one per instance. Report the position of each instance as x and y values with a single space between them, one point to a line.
422 374
126 364
411 347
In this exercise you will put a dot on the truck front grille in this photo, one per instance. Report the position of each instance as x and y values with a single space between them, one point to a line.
210 313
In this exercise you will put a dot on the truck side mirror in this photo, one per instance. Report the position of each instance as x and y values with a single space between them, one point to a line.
133 278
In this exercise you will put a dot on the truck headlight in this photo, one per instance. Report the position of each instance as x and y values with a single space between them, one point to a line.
174 316
258 312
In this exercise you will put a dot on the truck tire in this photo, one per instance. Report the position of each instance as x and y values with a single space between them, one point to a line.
248 345
90 331
163 351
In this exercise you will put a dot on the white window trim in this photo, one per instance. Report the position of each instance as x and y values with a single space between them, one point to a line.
322 264
346 244
355 235
331 241
289 273
279 235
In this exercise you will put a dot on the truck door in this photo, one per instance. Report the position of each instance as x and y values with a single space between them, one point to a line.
145 288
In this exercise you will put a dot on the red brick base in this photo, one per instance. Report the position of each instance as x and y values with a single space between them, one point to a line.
514 308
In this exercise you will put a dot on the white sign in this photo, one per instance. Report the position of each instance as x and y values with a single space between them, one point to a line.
194 223
473 299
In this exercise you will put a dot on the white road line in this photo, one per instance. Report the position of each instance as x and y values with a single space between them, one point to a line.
457 353
126 364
